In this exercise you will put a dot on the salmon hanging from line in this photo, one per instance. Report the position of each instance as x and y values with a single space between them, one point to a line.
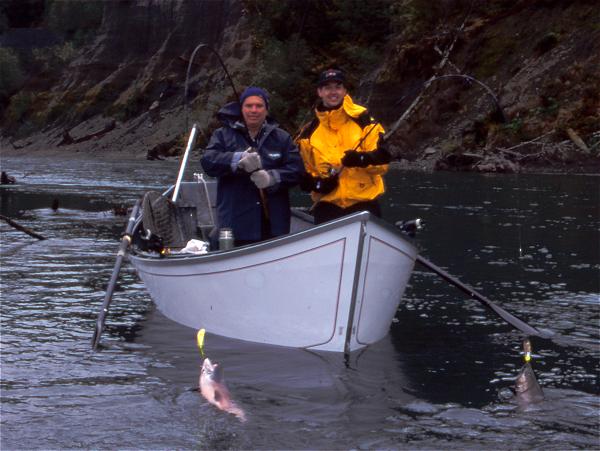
527 388
212 387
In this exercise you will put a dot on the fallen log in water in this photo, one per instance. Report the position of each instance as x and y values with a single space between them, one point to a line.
22 228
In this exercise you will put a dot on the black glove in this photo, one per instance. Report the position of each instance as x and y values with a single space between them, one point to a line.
381 155
323 185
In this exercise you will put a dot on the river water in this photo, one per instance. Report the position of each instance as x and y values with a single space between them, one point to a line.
441 379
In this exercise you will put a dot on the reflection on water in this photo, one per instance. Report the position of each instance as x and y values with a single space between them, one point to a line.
529 243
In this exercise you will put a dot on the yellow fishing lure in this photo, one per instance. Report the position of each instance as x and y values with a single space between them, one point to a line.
200 340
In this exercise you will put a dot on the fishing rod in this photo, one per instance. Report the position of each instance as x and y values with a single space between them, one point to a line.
387 135
187 77
471 79
193 132
263 196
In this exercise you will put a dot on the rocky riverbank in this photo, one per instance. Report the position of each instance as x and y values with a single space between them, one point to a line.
500 87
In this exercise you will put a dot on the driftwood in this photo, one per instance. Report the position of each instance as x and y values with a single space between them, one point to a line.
22 228
510 150
577 140
68 139
547 149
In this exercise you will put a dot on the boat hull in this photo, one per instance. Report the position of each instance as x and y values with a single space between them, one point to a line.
333 287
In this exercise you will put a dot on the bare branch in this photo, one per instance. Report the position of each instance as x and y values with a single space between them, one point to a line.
533 141
440 67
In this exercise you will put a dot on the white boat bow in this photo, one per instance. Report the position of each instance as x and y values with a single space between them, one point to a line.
332 287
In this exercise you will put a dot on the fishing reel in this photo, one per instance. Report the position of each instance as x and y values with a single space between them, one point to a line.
410 227
149 242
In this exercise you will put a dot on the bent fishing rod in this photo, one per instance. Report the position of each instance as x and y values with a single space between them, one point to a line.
187 77
469 78
263 196
509 318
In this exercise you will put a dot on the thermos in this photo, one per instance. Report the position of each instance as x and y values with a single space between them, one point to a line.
225 239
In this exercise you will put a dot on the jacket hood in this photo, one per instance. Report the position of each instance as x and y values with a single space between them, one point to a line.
335 119
348 106
351 108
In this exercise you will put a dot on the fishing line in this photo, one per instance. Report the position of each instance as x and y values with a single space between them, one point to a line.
471 79
520 233
187 76
263 197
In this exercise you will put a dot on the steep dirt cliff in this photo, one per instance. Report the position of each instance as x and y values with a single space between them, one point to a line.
489 86
124 90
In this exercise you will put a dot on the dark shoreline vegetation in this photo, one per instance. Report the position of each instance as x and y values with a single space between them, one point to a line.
487 86
589 168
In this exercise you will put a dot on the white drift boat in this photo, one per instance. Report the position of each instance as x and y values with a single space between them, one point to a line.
332 287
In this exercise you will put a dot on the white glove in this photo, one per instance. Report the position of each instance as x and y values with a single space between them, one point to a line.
262 179
249 161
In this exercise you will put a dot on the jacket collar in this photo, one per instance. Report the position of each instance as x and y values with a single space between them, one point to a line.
338 117
231 116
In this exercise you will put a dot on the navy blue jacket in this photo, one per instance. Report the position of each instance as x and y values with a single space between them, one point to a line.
238 199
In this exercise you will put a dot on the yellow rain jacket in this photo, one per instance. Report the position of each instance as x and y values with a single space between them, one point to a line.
323 143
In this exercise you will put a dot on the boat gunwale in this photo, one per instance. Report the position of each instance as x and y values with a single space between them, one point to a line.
362 216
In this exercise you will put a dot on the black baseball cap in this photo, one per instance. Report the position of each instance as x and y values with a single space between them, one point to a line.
331 75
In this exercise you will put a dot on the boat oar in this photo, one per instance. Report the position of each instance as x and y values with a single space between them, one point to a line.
125 242
508 317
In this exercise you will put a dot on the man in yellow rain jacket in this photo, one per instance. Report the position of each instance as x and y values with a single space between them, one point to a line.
343 153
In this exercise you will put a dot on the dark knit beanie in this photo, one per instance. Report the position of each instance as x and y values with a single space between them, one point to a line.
254 91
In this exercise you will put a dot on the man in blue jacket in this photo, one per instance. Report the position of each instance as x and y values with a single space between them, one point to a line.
255 162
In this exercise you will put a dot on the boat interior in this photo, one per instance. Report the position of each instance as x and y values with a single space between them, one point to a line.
166 226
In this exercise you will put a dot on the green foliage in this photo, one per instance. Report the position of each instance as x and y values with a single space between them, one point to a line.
549 107
514 126
411 16
547 42
57 111
493 54
279 72
361 22
359 57
295 40
11 74
90 107
132 106
53 58
414 17
19 105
